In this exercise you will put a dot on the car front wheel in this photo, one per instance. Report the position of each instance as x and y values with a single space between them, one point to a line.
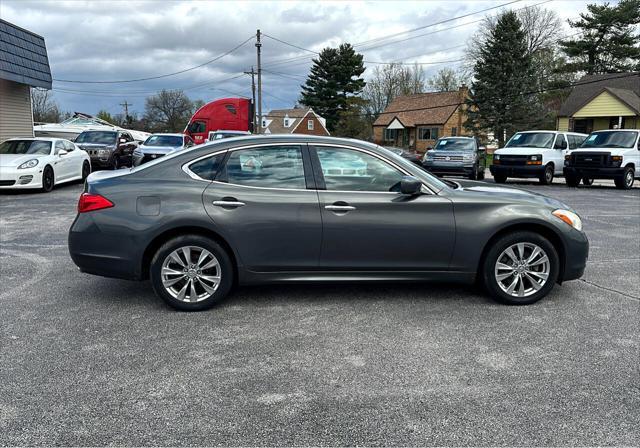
48 179
625 182
520 268
191 273
547 176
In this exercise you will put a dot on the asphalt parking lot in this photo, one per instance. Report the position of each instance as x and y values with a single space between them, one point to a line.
86 360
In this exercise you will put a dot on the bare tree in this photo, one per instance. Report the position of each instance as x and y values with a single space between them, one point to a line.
446 80
168 110
45 109
389 82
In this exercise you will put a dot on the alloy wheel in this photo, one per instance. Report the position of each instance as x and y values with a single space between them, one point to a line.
522 269
190 274
47 179
629 178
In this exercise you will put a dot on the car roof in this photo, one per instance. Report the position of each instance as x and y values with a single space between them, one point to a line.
616 130
170 134
44 139
552 131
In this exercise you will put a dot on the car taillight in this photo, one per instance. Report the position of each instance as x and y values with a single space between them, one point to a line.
90 202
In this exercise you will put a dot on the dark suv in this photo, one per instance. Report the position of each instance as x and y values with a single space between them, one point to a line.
457 156
107 149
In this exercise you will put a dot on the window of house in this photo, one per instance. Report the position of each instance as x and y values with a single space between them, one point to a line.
427 133
310 125
390 135
349 170
267 167
454 131
286 122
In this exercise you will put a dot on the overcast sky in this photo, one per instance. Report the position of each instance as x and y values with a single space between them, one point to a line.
122 40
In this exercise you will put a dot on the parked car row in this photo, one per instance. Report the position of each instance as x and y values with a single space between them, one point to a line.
608 154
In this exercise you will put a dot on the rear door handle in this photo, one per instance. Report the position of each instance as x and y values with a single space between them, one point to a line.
230 204
340 208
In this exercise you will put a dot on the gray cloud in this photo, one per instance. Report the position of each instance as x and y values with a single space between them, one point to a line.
107 40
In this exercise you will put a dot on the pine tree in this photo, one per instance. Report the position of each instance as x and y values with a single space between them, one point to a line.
504 76
608 43
333 79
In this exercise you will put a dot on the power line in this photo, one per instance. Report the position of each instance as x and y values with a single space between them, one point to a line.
159 76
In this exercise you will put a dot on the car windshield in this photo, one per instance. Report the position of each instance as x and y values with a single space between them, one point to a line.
164 140
455 144
610 139
25 147
101 137
531 140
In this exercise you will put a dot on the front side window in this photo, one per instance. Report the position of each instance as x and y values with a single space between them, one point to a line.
611 139
267 167
197 127
99 137
349 170
560 142
531 140
427 133
39 147
59 147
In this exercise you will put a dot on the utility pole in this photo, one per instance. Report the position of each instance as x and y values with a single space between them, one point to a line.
253 97
126 110
258 46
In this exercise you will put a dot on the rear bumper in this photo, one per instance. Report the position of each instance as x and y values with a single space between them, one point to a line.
517 170
593 172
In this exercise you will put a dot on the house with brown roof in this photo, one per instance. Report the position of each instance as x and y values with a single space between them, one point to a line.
599 102
294 121
417 121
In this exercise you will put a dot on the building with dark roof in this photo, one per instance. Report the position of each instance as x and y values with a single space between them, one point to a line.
603 101
417 121
294 121
23 64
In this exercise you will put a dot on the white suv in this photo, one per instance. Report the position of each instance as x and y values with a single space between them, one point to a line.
538 154
611 154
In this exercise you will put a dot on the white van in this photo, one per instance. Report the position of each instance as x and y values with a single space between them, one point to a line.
538 154
611 154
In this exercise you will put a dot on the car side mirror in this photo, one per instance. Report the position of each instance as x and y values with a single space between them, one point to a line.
483 149
62 152
123 140
429 148
411 186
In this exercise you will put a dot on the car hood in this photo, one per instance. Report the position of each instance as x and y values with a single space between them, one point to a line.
15 160
513 195
450 153
158 149
520 151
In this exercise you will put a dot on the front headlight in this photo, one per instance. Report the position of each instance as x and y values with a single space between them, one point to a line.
496 157
427 156
569 217
468 157
536 157
28 164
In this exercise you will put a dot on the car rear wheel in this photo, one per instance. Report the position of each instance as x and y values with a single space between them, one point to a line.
500 178
547 176
48 179
625 182
191 273
520 268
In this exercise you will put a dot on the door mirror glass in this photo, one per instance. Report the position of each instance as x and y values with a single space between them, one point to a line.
409 185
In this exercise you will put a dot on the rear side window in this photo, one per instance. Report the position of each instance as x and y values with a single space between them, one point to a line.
207 168
268 167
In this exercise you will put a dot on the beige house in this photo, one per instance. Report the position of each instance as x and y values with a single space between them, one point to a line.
602 102
23 64
417 121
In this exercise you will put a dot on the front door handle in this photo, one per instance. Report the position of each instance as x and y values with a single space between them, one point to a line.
229 203
340 207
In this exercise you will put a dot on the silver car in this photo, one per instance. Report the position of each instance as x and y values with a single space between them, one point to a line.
159 145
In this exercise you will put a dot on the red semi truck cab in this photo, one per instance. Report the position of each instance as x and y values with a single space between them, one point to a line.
230 114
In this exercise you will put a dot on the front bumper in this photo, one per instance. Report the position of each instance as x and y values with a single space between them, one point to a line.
577 253
517 170
13 178
448 168
596 172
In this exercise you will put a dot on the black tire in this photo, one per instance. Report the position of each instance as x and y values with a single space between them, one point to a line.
571 180
500 178
86 170
487 270
588 181
547 176
625 182
48 179
226 272
481 174
474 173
115 164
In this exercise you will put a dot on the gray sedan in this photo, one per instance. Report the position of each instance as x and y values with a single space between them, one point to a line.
282 208
159 145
